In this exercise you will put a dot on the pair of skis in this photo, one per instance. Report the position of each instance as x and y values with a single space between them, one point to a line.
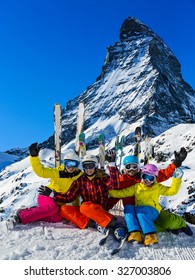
138 139
80 146
101 143
57 133
149 148
119 150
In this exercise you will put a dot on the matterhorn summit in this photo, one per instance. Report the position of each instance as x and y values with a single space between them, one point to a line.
140 83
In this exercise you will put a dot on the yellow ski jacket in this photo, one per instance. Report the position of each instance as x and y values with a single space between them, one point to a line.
59 181
148 196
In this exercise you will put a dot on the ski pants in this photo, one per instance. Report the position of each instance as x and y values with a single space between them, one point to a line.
169 221
140 218
80 215
47 210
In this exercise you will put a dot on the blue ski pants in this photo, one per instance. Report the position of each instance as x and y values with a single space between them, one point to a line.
140 218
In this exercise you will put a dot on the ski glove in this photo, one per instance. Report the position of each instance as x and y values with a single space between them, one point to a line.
34 150
43 190
110 156
178 173
180 157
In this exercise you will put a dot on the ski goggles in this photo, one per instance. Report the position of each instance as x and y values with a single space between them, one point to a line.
71 163
148 177
131 166
88 165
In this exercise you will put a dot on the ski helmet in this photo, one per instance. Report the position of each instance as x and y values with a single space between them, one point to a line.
130 159
150 169
90 158
72 156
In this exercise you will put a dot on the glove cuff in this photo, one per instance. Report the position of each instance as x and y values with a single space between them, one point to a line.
177 163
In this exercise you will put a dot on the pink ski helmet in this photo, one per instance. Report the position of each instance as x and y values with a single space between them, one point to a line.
150 169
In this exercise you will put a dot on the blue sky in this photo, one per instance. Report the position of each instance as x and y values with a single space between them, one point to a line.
52 50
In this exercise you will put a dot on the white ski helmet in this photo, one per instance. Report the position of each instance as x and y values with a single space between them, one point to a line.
71 156
90 158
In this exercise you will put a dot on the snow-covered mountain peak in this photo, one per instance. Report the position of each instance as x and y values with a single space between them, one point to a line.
140 82
133 27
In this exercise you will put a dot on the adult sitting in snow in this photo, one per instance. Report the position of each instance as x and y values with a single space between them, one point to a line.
93 187
61 179
140 218
132 175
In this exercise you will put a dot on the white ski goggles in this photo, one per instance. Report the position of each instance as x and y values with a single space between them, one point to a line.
131 166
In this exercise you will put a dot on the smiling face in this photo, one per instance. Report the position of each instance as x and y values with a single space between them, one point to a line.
131 169
90 172
70 169
89 168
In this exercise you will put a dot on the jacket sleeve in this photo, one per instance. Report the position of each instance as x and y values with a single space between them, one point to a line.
173 189
123 193
165 174
113 181
70 195
40 170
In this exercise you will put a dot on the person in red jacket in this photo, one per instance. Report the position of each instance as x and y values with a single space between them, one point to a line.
132 175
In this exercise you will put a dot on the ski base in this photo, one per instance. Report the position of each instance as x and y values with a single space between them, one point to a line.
104 239
122 242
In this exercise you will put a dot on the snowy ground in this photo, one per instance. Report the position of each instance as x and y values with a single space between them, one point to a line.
78 249
44 241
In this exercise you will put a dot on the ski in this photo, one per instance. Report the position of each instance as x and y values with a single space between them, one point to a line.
118 248
82 146
116 147
57 133
149 149
80 124
104 239
101 143
121 142
122 242
137 139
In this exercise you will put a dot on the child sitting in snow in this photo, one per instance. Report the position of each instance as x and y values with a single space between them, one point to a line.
140 218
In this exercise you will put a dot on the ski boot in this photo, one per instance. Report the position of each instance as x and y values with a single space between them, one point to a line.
187 230
12 221
135 236
14 218
150 239
102 230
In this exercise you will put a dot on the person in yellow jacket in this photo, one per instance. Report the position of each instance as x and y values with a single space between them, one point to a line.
140 218
61 179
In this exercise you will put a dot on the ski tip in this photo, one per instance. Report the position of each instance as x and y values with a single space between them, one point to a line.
114 251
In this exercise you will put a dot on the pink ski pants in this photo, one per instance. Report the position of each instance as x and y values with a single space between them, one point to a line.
47 210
